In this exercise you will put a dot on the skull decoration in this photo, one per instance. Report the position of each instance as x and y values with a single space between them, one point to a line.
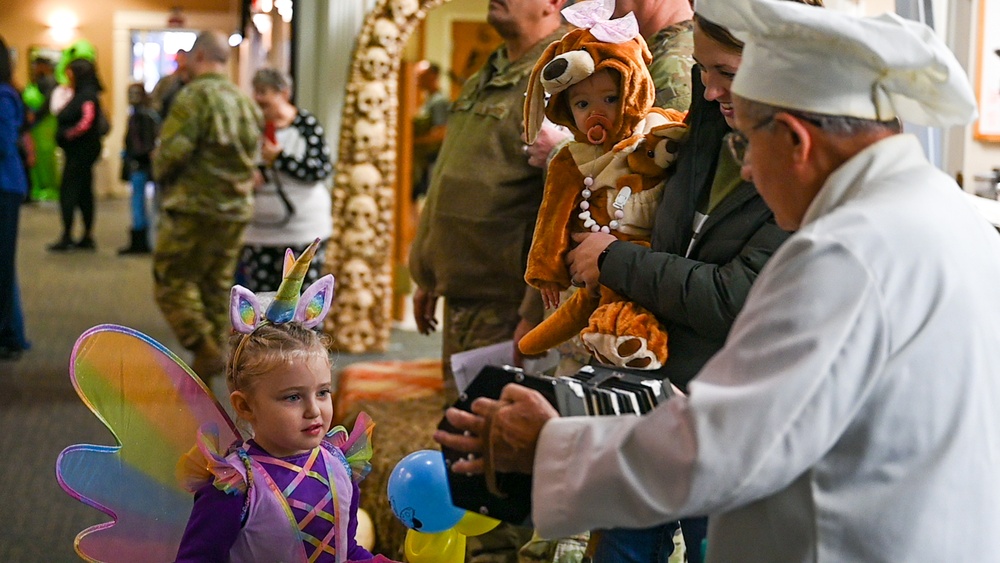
360 242
369 135
402 9
386 159
365 178
361 212
385 33
375 63
371 100
357 337
354 304
356 274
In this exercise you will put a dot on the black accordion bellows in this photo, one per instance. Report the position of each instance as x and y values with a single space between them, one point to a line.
592 391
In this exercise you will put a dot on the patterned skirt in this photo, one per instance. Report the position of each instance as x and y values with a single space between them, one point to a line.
259 268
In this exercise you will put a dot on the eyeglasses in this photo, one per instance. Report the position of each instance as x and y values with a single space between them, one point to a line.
738 142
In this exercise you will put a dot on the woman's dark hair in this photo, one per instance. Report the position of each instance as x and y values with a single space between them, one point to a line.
84 73
719 34
6 72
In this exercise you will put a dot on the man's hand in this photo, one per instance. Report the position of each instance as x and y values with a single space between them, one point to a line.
523 327
548 137
513 424
582 260
516 427
470 441
424 308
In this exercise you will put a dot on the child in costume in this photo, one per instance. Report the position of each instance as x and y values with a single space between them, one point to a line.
609 179
290 493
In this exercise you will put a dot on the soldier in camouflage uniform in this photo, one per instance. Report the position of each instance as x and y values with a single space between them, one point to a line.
671 48
205 164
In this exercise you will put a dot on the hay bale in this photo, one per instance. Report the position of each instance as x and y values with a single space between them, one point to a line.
401 428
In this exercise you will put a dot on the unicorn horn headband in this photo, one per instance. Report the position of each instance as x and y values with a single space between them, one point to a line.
245 307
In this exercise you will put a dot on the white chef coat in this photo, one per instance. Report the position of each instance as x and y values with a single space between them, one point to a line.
854 413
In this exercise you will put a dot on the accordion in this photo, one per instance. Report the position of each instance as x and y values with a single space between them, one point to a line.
592 391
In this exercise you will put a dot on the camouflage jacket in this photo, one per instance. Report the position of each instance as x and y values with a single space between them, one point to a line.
672 49
476 226
207 152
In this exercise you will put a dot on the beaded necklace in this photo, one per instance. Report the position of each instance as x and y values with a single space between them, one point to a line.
618 205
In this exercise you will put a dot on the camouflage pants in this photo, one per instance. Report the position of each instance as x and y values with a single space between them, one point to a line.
193 267
566 550
472 324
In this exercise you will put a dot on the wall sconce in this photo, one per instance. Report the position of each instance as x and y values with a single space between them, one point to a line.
263 23
62 26
284 8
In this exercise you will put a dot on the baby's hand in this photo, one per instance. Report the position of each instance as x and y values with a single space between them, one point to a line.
550 296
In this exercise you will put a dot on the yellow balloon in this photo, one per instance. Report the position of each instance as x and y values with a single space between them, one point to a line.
475 524
443 547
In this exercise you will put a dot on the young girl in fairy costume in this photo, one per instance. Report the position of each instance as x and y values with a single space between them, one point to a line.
291 492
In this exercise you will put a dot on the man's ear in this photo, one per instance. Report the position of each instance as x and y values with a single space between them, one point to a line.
241 405
554 6
801 136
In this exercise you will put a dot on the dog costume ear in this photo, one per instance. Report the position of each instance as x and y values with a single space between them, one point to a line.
534 101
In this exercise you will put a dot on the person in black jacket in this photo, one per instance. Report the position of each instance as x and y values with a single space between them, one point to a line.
711 237
81 125
709 242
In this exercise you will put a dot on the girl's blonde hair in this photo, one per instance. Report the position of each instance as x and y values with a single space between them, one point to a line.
268 347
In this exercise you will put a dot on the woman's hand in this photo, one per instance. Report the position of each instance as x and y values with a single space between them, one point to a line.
269 152
582 260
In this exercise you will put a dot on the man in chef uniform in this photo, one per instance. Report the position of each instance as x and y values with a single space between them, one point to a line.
854 413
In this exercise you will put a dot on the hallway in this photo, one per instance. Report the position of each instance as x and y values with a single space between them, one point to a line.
40 413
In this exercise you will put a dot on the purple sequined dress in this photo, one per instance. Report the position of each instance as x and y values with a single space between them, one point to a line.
299 507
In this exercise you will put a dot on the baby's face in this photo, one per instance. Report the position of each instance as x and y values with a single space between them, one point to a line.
595 100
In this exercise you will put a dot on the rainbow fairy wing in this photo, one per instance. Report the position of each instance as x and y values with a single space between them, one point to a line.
153 405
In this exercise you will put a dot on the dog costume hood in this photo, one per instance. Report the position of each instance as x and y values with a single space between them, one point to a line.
604 44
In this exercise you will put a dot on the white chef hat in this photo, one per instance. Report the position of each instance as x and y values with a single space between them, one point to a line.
818 60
